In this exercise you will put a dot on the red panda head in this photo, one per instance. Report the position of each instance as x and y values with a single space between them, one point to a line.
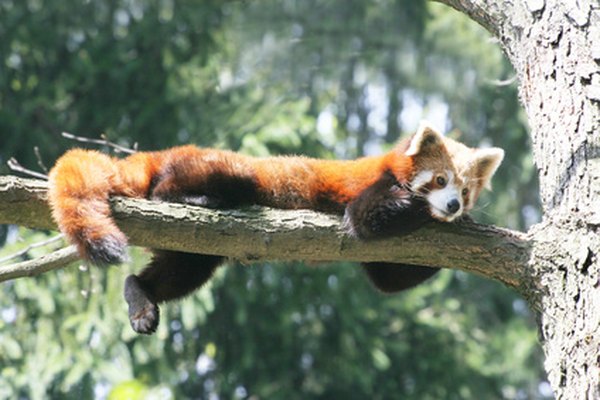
448 174
475 167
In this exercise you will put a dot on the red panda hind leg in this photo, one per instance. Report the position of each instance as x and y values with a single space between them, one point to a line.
216 180
171 275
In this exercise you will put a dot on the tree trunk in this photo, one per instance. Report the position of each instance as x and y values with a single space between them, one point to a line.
554 46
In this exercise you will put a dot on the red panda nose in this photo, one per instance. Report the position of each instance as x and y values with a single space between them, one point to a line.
453 206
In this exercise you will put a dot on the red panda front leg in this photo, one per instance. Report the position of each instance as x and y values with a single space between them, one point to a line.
385 208
393 278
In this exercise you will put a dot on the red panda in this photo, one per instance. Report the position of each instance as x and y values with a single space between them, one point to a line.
397 192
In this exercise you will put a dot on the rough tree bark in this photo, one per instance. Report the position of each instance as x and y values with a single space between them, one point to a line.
259 233
554 46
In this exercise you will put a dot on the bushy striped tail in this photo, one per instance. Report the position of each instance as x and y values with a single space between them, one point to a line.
79 188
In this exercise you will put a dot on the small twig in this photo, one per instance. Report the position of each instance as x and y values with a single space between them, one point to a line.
14 165
134 147
102 141
40 162
30 247
505 82
55 260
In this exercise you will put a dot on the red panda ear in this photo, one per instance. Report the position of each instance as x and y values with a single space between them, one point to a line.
485 163
425 138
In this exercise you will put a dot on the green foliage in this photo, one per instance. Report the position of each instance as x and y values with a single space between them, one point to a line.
96 66
421 334
323 78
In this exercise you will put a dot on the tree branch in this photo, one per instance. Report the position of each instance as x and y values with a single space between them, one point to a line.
48 262
259 233
489 14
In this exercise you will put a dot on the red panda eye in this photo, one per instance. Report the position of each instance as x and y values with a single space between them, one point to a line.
465 191
441 181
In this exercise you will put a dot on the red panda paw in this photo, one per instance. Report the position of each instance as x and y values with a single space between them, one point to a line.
144 314
385 208
106 250
144 320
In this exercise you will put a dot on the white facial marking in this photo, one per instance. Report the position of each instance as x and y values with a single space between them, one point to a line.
438 200
421 179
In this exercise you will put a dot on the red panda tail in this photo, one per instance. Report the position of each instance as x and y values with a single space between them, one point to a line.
79 187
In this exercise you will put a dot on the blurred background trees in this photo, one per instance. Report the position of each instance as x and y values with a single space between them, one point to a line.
335 78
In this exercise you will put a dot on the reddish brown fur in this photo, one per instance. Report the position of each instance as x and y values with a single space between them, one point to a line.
82 181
